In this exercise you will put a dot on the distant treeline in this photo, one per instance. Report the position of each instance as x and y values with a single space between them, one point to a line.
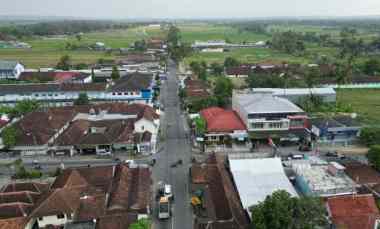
60 28
260 26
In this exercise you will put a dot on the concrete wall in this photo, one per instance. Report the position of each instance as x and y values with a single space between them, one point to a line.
143 125
46 220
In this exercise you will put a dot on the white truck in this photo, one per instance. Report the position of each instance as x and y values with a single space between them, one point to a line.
164 208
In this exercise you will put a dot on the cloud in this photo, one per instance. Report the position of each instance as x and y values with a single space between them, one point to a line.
189 8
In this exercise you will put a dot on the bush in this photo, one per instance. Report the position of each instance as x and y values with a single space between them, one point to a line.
22 173
9 136
374 156
370 136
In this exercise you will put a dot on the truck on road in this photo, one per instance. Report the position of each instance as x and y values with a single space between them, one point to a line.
164 208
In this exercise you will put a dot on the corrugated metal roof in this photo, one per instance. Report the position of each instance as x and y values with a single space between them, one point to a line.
296 91
8 64
255 179
257 103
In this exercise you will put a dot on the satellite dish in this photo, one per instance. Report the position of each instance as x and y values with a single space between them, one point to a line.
354 115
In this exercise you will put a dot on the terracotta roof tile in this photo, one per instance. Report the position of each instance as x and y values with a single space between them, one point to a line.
362 174
220 120
38 127
58 201
14 223
353 212
116 221
25 186
223 203
130 189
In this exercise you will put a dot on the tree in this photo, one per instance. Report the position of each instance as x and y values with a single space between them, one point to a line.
174 36
9 136
280 210
64 63
176 48
182 93
217 69
141 224
82 99
198 104
230 62
223 90
195 67
370 136
200 125
289 42
372 67
115 74
256 80
25 106
374 156
199 69
140 46
78 37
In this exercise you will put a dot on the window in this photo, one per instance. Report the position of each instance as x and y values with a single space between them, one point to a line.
119 93
142 127
36 95
125 93
257 125
113 93
275 125
60 216
41 218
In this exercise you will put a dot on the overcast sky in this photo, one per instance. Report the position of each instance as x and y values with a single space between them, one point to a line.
189 8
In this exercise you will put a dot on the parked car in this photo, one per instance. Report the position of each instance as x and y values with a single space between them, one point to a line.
103 152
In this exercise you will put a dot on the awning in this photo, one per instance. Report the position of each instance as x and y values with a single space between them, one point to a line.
241 135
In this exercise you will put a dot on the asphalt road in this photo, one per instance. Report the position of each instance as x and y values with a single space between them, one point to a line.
175 147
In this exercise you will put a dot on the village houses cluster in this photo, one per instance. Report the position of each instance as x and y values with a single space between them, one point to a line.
243 148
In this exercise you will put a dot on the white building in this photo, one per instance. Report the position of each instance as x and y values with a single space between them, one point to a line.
10 69
266 115
295 95
316 177
255 179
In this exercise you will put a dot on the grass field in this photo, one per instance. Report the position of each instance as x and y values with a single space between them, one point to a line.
365 102
204 32
47 51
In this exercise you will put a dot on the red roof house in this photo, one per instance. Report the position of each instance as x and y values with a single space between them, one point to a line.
221 121
353 212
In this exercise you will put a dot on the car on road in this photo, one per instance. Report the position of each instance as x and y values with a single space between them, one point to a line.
168 192
164 208
103 153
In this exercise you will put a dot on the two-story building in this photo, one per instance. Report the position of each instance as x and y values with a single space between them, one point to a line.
10 69
268 116
135 87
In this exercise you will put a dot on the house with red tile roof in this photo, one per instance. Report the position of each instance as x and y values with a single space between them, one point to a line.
353 212
112 197
98 128
17 201
220 205
56 76
241 71
223 126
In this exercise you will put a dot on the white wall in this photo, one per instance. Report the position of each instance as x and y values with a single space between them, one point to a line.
143 125
46 220
18 70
